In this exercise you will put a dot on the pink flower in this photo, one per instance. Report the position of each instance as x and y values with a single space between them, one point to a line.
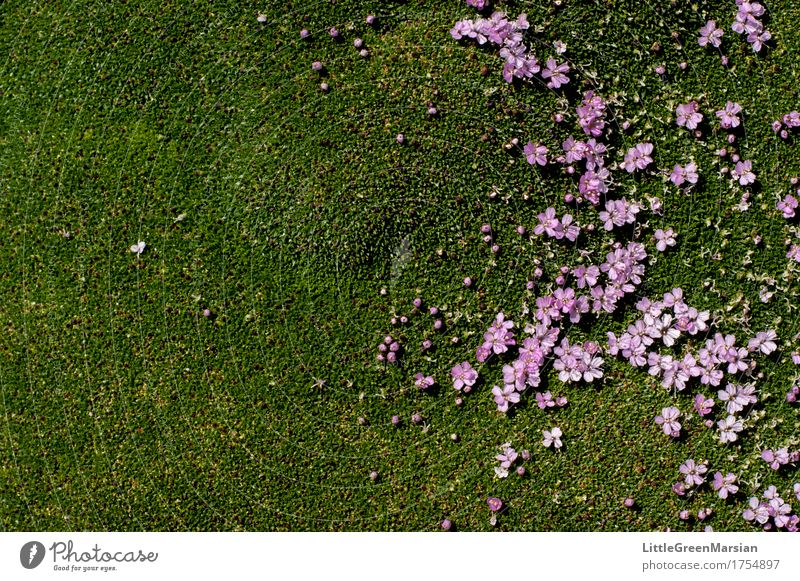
505 397
688 115
729 116
463 375
664 238
681 174
702 405
638 157
693 472
710 34
668 420
535 153
555 73
787 205
729 428
552 437
725 485
422 381
743 172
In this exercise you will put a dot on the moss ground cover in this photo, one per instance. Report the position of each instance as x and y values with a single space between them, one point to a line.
226 377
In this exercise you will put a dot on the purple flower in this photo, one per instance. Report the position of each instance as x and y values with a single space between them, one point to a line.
681 174
508 457
693 472
764 341
791 119
495 504
498 337
556 74
505 397
787 205
668 420
619 213
463 375
535 154
728 429
549 224
423 382
710 34
729 116
757 39
638 157
756 511
737 396
664 238
743 172
775 459
477 4
688 115
702 405
552 437
725 485
545 400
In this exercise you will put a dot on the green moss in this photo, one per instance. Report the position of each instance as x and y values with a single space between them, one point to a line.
125 409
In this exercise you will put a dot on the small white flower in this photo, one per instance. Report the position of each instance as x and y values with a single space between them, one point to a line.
560 47
552 437
500 472
138 248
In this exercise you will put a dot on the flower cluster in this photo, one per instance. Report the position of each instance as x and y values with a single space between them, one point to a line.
656 324
578 361
618 213
507 458
497 338
555 227
638 157
771 512
545 400
389 350
779 458
746 22
477 4
591 114
793 393
790 120
520 63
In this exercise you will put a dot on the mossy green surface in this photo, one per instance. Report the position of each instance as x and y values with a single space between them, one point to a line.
285 210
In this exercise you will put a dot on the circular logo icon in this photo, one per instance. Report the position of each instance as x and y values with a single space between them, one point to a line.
31 555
